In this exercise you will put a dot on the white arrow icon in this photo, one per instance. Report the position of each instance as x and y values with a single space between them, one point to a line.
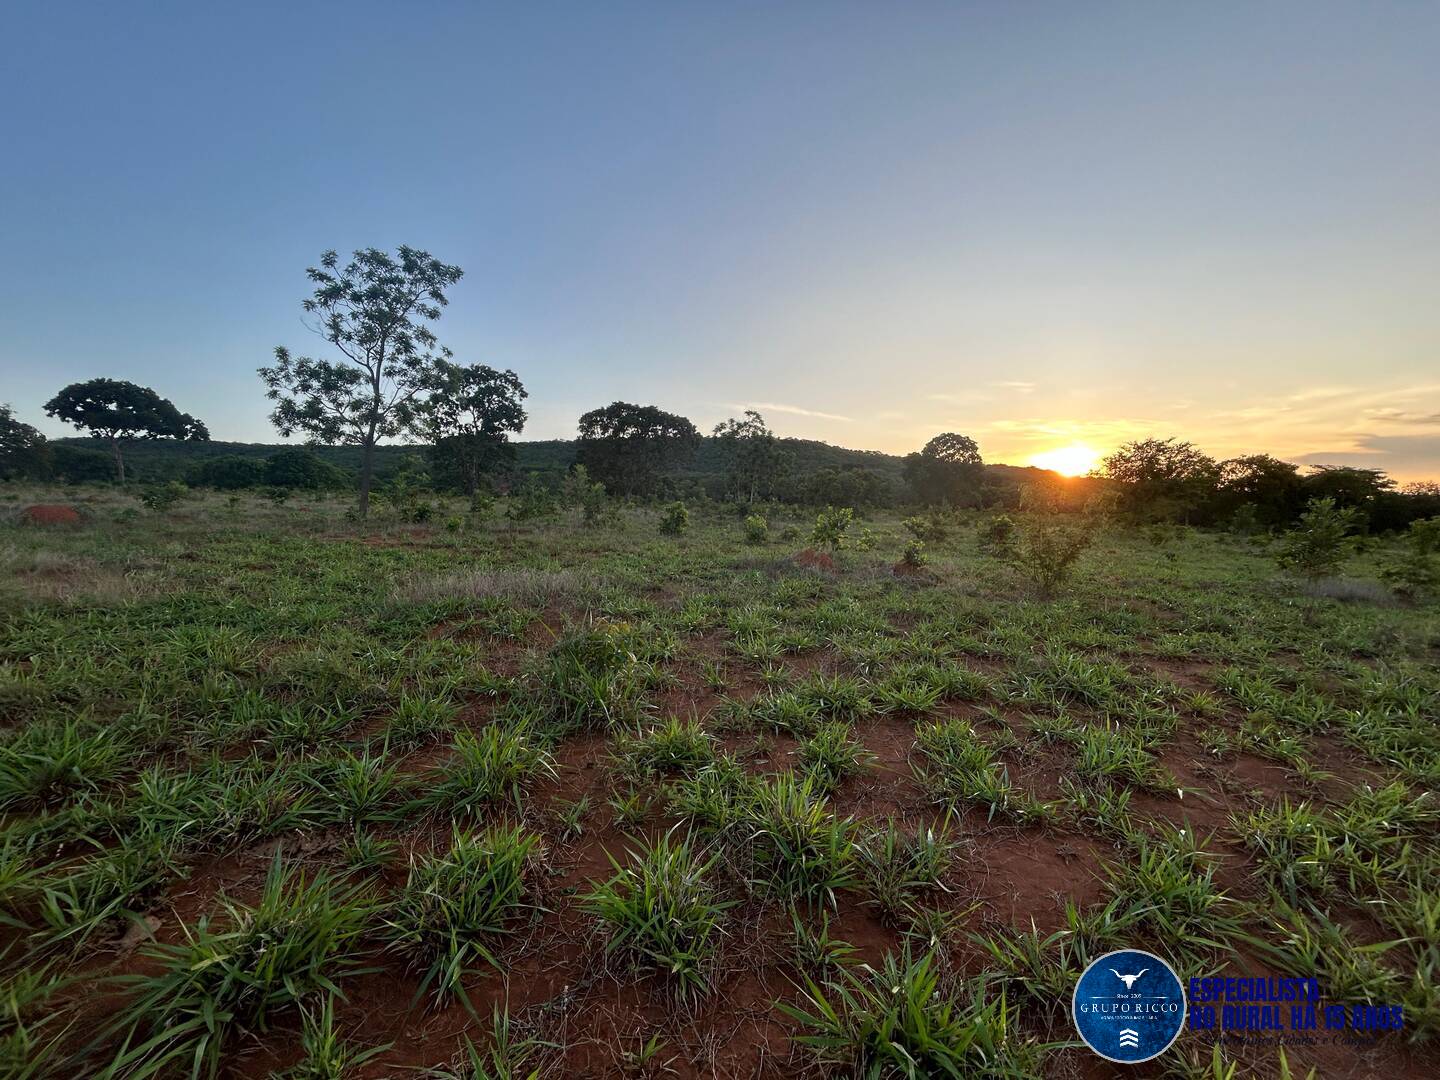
1129 1039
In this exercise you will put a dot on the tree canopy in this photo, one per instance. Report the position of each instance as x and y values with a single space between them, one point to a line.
1161 477
469 415
754 460
947 470
117 410
374 312
23 451
629 448
1273 487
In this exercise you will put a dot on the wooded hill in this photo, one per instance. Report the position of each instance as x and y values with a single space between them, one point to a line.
171 460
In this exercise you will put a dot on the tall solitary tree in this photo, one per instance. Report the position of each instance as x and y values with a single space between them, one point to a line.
754 459
374 312
948 469
121 411
468 416
629 447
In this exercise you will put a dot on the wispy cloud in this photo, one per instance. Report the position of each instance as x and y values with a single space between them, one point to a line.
1106 433
1402 416
1018 385
793 410
966 398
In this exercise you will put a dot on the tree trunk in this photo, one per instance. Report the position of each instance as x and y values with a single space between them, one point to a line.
367 466
119 461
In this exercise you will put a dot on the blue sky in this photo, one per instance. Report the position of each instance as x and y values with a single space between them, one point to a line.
1039 224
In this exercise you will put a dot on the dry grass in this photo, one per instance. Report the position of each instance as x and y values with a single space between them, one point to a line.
56 575
1348 591
539 587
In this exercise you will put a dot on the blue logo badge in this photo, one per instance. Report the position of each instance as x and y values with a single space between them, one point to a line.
1129 1006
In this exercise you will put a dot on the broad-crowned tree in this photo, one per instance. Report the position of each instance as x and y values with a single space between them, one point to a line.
374 312
1273 487
23 452
1161 478
121 411
1346 485
754 459
469 414
628 448
948 470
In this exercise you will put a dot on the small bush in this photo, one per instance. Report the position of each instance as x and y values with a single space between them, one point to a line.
914 554
1415 574
1046 554
162 497
831 525
577 489
278 495
675 519
1320 543
929 529
757 529
533 502
997 536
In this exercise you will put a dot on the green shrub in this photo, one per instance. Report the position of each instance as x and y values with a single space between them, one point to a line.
997 536
1046 554
914 554
162 497
1320 543
932 528
675 519
831 526
757 529
1415 574
533 502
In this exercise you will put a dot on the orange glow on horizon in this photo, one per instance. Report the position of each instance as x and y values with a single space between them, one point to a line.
1077 459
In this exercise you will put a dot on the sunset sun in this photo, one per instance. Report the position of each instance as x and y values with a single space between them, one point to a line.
1073 460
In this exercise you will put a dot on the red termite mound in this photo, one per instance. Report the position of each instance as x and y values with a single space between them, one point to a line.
50 515
818 559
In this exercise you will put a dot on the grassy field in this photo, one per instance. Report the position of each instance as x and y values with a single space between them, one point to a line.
280 792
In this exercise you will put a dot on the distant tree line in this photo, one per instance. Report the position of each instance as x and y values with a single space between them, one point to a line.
1154 480
390 378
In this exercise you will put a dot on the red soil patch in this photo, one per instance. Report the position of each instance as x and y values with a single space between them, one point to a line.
817 559
49 514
